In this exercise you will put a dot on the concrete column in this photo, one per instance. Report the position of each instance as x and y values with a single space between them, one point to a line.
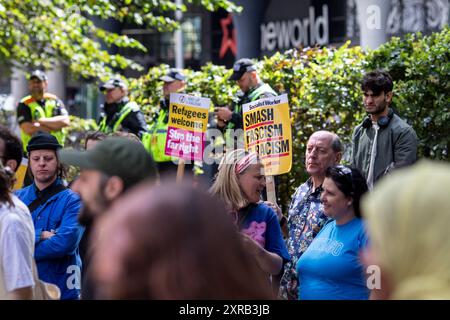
247 24
19 84
57 82
372 17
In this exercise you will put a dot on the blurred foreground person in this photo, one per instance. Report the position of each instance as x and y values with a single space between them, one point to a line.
408 224
172 242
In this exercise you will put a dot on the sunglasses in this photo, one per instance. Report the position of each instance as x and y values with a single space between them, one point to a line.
346 172
343 170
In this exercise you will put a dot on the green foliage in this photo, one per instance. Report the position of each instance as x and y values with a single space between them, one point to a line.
322 85
43 32
147 90
75 134
76 131
420 67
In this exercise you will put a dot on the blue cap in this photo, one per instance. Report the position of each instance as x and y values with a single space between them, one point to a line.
38 74
172 75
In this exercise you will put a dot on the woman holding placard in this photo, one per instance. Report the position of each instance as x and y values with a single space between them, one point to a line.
239 184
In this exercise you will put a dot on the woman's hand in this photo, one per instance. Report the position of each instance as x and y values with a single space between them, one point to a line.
275 208
47 234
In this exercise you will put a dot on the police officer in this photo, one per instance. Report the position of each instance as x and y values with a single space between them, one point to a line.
118 112
41 111
174 81
247 78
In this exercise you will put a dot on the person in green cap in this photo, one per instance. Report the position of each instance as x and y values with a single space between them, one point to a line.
112 167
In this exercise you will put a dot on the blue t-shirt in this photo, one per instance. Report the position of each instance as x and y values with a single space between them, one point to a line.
330 268
261 224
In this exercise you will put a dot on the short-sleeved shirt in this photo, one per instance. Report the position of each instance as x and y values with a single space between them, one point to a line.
24 112
305 219
16 245
261 224
330 268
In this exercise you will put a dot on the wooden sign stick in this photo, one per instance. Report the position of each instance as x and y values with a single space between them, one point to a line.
270 189
180 171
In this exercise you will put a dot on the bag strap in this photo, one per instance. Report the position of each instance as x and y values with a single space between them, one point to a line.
55 189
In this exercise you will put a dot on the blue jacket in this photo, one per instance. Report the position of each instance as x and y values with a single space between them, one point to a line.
57 258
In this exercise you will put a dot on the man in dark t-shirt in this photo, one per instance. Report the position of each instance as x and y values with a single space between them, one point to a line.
41 111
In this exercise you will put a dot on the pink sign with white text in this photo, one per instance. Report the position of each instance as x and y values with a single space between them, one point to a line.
188 121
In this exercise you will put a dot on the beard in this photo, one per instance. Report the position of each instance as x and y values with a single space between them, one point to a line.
50 176
379 108
87 216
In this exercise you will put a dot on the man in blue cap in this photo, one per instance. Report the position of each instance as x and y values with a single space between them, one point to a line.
119 113
54 209
41 111
252 88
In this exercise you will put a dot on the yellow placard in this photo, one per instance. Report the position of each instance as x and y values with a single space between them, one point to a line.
187 124
20 174
267 128
188 117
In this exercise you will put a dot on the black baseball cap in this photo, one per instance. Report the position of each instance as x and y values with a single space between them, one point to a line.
172 75
43 141
115 156
113 83
242 66
39 74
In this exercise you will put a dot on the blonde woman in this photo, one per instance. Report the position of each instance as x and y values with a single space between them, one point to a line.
239 184
408 222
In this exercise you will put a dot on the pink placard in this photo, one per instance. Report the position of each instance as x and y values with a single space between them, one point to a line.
184 144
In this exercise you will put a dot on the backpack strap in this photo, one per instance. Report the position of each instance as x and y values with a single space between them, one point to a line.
40 200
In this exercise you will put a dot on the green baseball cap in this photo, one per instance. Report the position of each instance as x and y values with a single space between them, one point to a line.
115 157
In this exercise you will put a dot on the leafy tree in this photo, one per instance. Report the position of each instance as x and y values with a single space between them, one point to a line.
42 32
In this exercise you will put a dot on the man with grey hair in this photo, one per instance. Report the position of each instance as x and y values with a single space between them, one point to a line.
306 216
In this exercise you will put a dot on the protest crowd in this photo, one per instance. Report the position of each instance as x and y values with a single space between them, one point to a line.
140 221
